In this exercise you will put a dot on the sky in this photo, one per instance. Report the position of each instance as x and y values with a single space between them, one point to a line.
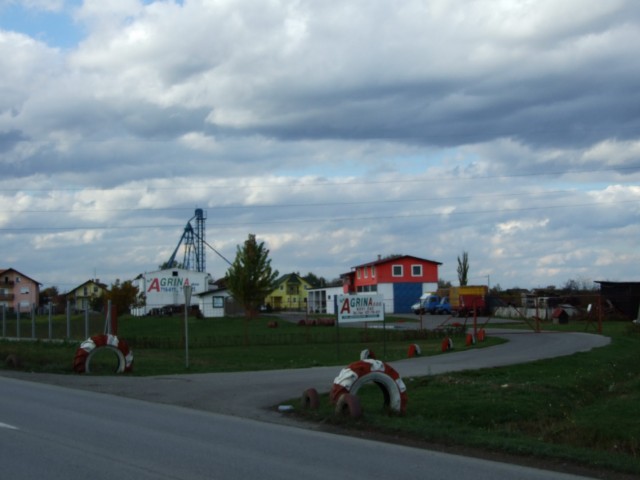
334 131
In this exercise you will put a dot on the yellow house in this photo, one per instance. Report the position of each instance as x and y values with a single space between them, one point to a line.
290 293
80 298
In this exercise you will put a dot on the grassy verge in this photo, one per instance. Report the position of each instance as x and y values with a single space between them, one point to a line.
581 409
222 345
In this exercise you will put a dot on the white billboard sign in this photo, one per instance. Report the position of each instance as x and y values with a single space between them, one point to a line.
360 308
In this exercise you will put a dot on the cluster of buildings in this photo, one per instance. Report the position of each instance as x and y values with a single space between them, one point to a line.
400 279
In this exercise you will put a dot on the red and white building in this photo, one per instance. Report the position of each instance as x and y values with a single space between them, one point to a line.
399 279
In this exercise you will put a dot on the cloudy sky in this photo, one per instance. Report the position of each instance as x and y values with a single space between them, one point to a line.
336 131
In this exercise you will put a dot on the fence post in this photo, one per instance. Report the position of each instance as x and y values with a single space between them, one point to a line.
33 322
86 321
4 321
18 322
50 325
68 319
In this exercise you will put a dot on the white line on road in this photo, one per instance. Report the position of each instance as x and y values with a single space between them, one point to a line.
6 425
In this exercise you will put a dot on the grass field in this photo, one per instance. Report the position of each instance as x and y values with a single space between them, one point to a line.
220 345
582 409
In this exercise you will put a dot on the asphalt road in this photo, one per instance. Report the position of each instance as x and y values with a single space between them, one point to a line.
58 433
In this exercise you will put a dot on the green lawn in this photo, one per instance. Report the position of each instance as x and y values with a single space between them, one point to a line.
221 345
583 408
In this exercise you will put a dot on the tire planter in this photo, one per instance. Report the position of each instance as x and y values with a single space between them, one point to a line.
447 344
88 348
310 399
414 351
366 371
348 404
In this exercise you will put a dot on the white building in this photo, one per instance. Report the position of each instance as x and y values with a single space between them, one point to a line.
166 287
323 300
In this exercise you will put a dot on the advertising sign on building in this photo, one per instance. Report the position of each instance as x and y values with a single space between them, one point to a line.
360 308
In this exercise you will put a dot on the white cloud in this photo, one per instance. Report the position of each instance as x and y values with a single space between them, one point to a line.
335 131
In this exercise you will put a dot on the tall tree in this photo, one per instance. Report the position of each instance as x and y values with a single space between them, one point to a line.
463 269
250 278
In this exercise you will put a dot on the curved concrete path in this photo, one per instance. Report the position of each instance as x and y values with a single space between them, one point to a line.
253 394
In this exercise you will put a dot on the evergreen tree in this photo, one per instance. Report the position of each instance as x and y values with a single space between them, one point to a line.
250 278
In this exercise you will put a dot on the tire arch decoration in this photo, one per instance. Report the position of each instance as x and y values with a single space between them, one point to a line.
84 353
362 372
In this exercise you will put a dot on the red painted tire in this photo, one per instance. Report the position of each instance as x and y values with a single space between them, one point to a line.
366 371
310 399
447 344
470 340
481 335
82 359
349 405
414 351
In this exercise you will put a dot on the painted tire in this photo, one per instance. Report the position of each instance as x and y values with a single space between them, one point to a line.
82 360
349 404
481 335
366 371
447 344
310 399
414 350
470 339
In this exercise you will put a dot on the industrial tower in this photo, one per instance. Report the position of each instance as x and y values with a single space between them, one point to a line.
193 240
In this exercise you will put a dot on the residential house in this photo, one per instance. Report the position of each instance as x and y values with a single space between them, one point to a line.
401 279
81 297
17 291
290 293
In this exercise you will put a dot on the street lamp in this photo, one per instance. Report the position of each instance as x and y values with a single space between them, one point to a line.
187 301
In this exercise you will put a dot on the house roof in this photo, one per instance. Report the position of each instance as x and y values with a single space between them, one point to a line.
5 270
290 278
395 258
96 282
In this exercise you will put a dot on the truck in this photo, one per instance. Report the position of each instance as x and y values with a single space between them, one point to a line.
427 303
467 299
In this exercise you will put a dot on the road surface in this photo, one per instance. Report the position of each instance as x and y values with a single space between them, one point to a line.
58 433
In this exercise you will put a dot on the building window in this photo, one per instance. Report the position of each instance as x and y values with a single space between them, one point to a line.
358 270
373 271
218 302
366 275
416 270
396 271
24 290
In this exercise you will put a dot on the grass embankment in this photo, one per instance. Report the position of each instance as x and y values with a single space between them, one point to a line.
582 409
218 345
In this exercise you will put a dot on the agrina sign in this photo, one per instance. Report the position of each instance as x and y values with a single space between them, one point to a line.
360 308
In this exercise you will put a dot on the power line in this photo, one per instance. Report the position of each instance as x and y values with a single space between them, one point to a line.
438 179
319 220
298 205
